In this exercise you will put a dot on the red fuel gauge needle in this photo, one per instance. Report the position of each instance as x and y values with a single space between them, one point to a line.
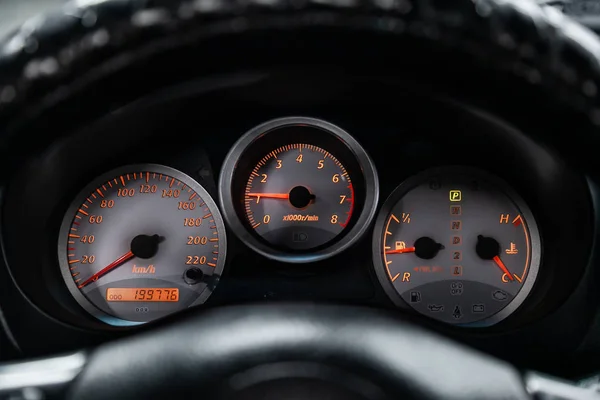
124 258
500 264
400 251
270 195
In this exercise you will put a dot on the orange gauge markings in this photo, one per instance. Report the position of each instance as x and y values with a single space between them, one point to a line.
458 245
299 185
132 239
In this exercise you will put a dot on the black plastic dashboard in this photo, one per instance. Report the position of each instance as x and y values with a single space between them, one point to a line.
192 127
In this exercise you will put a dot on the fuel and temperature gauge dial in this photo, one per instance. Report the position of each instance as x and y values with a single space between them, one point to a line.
457 245
298 189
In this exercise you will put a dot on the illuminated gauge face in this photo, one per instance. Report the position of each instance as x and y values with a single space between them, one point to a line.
299 197
140 243
457 245
298 189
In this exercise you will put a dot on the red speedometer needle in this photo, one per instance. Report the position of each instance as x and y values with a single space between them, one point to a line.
500 264
124 258
270 195
400 251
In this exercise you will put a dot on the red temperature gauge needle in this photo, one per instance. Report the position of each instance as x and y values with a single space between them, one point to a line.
400 251
124 258
500 264
270 195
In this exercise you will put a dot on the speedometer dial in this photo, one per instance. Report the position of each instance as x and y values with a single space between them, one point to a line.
141 242
298 189
299 196
457 245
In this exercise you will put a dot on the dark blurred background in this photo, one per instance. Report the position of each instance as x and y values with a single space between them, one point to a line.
14 12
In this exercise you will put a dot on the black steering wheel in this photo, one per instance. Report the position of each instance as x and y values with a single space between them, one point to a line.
64 64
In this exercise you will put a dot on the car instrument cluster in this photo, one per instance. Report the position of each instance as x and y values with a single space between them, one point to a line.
455 244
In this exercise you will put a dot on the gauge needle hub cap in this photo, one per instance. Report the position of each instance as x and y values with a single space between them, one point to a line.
300 197
487 248
427 248
144 246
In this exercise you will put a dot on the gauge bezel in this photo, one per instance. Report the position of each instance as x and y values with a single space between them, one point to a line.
406 186
80 198
237 157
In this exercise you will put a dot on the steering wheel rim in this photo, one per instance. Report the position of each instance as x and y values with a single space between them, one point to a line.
210 353
52 59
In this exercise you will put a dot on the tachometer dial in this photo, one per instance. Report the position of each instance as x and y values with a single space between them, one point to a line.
141 242
299 185
457 245
298 189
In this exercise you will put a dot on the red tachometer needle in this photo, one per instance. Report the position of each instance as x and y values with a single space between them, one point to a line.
124 258
500 264
400 251
270 195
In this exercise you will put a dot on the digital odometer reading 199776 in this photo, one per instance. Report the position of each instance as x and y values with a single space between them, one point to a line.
142 294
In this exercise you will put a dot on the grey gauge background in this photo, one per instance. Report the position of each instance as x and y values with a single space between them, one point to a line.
142 214
478 297
274 127
301 235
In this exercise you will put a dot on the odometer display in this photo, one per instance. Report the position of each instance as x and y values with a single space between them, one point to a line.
141 242
142 294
